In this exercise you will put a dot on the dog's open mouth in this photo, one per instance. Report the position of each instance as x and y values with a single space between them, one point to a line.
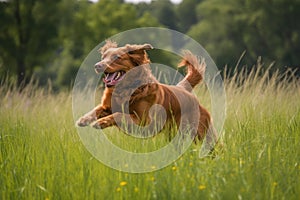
111 79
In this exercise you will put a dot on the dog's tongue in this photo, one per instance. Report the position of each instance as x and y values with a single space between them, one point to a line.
110 77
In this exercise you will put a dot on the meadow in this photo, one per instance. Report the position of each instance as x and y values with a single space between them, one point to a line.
42 156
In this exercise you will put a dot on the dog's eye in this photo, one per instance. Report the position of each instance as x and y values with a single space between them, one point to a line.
116 57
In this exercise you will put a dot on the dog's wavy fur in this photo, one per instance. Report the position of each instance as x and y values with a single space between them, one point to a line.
125 59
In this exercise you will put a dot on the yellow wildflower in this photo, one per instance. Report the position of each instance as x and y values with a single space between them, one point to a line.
201 187
118 189
123 183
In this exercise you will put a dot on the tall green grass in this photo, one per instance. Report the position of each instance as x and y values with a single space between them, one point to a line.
42 157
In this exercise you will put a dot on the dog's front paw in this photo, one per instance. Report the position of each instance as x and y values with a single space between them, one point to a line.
85 121
96 125
101 123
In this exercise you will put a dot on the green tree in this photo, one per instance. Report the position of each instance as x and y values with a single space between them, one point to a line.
162 10
186 14
84 26
262 28
220 30
273 31
28 35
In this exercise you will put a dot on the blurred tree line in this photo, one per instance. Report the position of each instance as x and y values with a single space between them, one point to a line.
49 39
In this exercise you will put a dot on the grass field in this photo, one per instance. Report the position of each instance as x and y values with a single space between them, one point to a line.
42 156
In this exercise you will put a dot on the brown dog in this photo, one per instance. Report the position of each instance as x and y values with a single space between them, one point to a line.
117 63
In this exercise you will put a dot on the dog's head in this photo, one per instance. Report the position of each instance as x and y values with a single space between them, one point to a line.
116 61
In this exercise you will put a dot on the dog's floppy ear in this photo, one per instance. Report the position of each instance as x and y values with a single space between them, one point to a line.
137 53
108 44
138 47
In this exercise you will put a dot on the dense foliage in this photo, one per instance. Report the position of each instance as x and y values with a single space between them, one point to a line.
50 39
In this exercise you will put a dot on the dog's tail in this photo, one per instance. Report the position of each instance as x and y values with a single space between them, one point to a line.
195 70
